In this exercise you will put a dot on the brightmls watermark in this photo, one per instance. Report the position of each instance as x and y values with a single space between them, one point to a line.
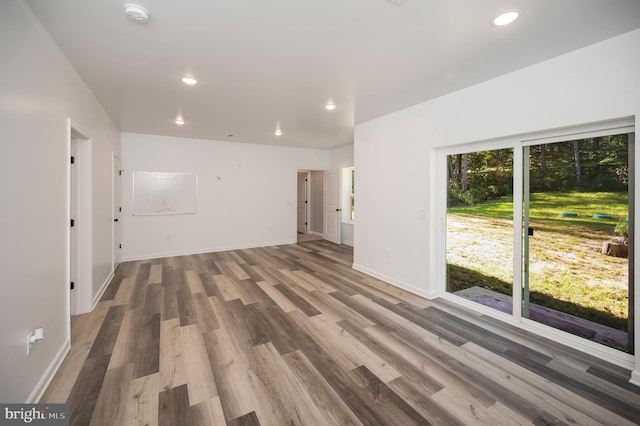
34 414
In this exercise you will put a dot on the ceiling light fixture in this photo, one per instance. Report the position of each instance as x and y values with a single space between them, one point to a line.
179 121
329 107
189 81
278 132
505 18
136 13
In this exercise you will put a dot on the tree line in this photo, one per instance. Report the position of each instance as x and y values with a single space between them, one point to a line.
591 164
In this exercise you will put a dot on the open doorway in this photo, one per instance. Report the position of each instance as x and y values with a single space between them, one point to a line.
309 213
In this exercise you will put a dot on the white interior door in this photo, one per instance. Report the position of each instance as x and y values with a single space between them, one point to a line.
332 209
73 236
117 212
302 203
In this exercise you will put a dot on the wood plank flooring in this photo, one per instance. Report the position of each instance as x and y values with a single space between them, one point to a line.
293 335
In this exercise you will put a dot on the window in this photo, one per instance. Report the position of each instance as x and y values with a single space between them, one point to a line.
351 196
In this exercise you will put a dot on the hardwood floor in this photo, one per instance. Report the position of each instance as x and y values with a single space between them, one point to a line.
293 335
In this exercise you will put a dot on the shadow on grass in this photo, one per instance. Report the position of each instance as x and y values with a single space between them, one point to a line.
460 278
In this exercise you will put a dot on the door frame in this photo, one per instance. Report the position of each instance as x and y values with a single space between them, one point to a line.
437 261
82 172
116 204
307 191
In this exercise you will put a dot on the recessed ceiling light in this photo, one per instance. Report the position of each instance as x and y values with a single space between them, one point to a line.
329 107
230 135
136 13
179 121
278 132
505 18
190 81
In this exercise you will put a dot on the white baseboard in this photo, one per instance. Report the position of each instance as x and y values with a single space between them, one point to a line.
103 287
635 377
205 250
408 287
347 243
48 375
319 234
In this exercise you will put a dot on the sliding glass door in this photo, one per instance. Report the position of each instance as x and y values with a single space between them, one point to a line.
544 232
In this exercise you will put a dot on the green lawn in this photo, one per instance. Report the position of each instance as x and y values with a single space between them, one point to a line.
548 206
568 272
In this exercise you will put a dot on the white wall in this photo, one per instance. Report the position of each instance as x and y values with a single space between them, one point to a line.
39 90
341 157
246 194
393 153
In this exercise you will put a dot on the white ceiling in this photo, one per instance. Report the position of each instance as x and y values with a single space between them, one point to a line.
262 63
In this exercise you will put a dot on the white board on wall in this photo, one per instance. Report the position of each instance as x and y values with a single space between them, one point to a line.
158 193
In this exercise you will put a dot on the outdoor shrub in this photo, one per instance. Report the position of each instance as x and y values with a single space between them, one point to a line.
622 229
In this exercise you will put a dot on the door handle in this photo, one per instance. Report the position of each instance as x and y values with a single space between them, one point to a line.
338 210
115 220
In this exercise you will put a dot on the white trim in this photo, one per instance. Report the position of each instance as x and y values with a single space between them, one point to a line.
49 373
307 207
437 223
591 130
516 259
100 292
408 287
635 375
67 273
319 234
115 178
84 210
206 250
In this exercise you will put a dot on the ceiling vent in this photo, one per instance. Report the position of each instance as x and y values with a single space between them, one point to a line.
397 2
137 14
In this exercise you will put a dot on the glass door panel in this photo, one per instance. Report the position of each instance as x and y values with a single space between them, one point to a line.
479 227
576 239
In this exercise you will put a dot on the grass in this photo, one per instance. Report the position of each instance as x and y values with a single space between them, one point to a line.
567 271
547 207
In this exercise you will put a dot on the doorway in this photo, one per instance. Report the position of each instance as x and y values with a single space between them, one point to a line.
303 202
542 231
313 206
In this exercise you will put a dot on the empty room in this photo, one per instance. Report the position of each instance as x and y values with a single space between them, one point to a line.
380 212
